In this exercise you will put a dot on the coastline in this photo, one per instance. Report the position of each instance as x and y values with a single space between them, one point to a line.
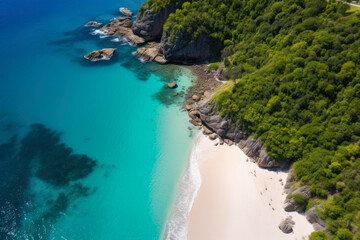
237 198
188 186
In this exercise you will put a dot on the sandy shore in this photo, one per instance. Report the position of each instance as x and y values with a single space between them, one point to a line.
237 199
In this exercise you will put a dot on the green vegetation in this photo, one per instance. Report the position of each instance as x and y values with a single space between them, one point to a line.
319 235
295 65
156 5
300 199
214 66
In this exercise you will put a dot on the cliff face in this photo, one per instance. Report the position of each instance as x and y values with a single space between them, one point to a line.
226 129
186 51
149 24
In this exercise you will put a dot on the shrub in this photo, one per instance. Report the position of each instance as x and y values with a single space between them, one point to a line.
318 235
214 66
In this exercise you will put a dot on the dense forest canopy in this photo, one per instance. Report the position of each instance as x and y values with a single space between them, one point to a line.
295 65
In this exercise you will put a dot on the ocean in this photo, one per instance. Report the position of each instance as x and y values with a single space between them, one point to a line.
88 150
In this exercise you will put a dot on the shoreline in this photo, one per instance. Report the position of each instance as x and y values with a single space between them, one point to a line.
176 226
232 188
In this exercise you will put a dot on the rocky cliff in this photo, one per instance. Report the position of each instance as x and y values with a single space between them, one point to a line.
149 26
149 23
180 50
226 129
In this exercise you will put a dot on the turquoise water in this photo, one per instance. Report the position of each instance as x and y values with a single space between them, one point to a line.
116 112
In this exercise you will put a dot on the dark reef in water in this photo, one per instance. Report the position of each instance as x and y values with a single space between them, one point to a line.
41 152
58 165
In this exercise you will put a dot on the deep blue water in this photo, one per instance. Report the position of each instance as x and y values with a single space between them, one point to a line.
109 144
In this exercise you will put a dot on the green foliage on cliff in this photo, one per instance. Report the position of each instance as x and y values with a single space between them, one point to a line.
296 66
155 5
298 90
319 235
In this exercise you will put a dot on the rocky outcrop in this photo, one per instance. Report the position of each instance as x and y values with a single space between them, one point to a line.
227 130
256 150
222 126
287 225
195 117
291 205
122 27
149 23
126 12
150 53
313 217
196 98
183 51
103 54
93 24
187 107
172 85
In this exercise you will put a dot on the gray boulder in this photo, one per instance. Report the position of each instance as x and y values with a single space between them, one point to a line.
291 205
287 225
256 150
313 217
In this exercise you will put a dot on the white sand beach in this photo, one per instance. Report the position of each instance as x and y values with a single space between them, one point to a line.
237 199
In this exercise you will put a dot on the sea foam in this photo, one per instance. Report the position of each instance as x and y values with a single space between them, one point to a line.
178 221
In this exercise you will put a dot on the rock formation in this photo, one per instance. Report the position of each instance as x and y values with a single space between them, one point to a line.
291 205
103 54
187 107
122 27
172 85
180 50
256 150
227 130
149 23
287 225
150 53
93 24
195 117
126 12
313 217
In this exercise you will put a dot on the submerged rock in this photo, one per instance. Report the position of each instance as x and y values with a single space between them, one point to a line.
103 54
122 27
287 225
126 12
172 85
93 24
